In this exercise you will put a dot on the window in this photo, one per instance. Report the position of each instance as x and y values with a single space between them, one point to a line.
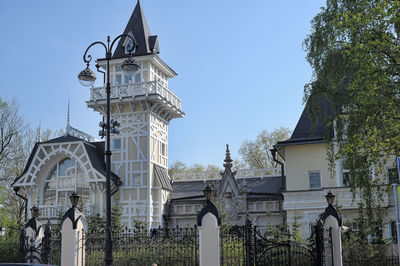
163 149
346 177
128 79
130 47
118 79
130 44
393 231
315 179
393 175
66 177
138 78
118 68
117 144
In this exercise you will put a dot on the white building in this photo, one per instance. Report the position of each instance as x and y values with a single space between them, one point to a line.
144 105
309 177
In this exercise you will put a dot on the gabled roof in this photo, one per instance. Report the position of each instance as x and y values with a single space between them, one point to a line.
95 151
145 42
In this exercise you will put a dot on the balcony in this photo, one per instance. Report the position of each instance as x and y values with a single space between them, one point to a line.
138 89
212 175
315 199
55 211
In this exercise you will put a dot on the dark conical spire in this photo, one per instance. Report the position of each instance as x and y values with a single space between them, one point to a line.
138 27
228 160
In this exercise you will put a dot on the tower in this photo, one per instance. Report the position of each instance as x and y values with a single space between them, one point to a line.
144 106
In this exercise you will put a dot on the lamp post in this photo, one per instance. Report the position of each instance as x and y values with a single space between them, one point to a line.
87 78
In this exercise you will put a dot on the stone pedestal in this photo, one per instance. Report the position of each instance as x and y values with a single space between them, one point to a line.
73 227
209 224
328 229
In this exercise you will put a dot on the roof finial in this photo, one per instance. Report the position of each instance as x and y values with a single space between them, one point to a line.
67 127
228 160
40 131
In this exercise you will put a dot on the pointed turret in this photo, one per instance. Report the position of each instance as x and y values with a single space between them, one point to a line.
139 30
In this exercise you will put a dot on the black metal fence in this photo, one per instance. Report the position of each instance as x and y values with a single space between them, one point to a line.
360 261
47 250
247 246
233 246
384 254
163 246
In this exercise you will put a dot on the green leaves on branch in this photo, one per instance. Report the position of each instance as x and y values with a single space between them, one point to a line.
354 50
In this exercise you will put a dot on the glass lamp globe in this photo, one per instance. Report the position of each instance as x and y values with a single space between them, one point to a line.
86 77
129 66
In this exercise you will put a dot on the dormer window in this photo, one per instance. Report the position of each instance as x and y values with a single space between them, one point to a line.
129 45
138 78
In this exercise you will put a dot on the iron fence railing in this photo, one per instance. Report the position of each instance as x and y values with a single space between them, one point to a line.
360 261
163 246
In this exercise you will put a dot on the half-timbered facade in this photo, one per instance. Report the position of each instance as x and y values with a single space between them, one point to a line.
144 105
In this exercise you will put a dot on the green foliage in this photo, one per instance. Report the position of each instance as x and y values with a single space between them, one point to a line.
139 224
116 213
225 224
278 233
180 167
355 240
354 50
96 223
9 245
256 154
295 230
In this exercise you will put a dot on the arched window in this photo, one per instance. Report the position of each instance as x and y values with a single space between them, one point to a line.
65 178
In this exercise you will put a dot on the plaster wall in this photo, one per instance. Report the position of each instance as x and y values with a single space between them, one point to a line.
300 160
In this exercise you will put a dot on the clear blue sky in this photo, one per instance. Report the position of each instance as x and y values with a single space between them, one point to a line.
241 66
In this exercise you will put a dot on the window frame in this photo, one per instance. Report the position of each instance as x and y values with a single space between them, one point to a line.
388 175
114 146
309 179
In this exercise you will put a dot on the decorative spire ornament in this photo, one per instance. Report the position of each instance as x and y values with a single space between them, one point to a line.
67 127
228 160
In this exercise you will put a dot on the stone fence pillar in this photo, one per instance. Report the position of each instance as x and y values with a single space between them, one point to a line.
31 239
209 223
73 227
328 232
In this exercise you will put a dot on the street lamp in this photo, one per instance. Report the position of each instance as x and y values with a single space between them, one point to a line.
87 78
330 198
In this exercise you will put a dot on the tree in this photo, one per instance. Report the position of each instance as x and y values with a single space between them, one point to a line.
354 50
256 154
12 127
16 142
180 167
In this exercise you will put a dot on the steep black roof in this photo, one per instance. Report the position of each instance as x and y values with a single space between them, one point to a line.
145 42
256 188
95 151
162 175
306 131
64 138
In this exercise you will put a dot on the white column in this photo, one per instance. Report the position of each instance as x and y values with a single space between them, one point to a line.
334 253
209 241
72 243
